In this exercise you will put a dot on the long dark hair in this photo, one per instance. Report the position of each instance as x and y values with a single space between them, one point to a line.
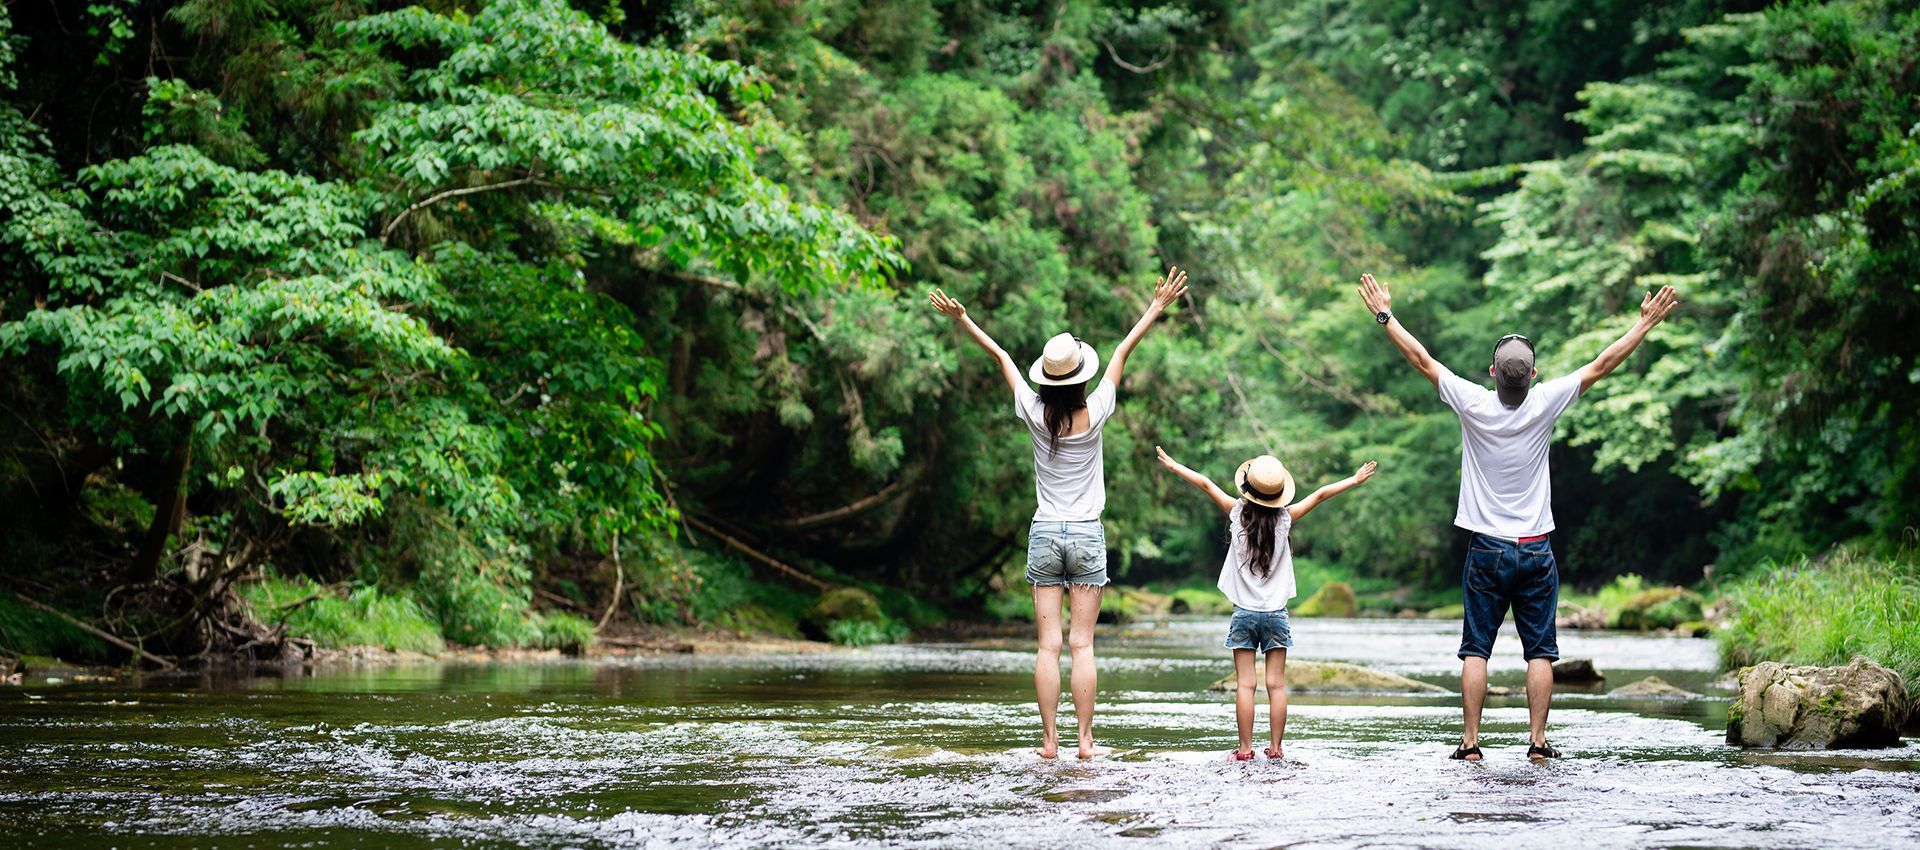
1261 525
1062 402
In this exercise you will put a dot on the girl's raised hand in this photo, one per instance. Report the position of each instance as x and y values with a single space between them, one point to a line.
1164 460
1365 472
1169 288
946 305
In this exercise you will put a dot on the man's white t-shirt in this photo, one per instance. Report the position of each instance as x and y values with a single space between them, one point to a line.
1242 587
1070 483
1504 486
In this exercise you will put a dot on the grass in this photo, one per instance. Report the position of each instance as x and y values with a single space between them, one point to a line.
365 616
1826 610
26 631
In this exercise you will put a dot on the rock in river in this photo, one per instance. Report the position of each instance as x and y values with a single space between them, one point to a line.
1801 708
1308 676
1577 671
1651 686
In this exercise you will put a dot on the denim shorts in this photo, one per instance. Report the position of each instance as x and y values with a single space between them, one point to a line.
1260 631
1067 553
1498 574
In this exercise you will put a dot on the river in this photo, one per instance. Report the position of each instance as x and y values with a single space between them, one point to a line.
924 745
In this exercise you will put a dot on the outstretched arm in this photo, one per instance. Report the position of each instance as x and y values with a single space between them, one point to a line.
1201 482
1379 300
1653 308
953 310
1165 291
1300 508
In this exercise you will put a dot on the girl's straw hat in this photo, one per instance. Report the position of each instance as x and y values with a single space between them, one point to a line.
1265 481
1066 360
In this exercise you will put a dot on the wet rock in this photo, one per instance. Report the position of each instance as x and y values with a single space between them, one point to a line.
1651 686
1121 605
1577 671
1504 691
1321 676
1333 599
840 603
1862 704
1447 612
1577 617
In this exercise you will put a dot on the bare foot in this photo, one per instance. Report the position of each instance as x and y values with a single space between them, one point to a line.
1047 752
1089 751
1049 745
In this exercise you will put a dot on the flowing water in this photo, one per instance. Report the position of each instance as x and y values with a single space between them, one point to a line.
922 746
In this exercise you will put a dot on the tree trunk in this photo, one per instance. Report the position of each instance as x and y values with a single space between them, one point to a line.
169 508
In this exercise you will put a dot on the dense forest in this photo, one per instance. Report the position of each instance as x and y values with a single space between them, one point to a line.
512 313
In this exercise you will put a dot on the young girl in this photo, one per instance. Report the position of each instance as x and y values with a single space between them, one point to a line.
1258 578
1066 544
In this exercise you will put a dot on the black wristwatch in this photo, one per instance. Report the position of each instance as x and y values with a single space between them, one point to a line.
1383 317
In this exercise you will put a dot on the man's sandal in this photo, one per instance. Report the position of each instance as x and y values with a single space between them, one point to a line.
1542 750
1461 753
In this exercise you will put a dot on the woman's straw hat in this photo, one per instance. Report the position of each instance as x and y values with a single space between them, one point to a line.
1066 360
1265 481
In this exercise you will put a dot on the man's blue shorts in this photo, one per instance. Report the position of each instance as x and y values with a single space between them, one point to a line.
1501 574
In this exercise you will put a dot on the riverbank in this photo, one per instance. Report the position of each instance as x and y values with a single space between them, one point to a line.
1825 610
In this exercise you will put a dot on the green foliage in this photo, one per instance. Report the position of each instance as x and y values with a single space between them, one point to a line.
362 616
28 631
865 632
1825 611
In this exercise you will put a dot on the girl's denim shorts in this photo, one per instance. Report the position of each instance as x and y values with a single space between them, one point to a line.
1260 631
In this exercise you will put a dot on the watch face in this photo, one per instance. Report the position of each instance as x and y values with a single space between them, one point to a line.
1382 316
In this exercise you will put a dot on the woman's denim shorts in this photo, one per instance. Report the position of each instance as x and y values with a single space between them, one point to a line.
1260 631
1067 553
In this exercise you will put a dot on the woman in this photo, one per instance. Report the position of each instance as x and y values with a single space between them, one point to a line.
1066 545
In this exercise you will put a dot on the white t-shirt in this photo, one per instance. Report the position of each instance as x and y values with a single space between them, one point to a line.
1242 587
1504 487
1071 483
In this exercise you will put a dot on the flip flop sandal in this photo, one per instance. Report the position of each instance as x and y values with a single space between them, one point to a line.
1542 751
1461 753
1240 756
1270 756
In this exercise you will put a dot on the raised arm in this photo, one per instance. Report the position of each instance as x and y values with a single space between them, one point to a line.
1300 508
1201 482
952 309
1653 308
1165 291
1380 301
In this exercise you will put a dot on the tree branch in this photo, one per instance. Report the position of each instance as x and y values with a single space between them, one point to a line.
452 193
96 632
756 554
1138 69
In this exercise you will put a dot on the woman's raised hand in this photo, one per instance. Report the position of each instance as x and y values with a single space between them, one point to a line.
1169 288
946 305
1365 472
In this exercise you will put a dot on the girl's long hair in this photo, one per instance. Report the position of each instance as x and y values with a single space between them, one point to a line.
1061 402
1260 524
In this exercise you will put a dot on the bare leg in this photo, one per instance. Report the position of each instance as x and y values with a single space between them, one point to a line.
1046 666
1083 606
1473 695
1277 699
1245 682
1539 696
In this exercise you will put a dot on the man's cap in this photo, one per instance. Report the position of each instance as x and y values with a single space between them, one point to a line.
1512 370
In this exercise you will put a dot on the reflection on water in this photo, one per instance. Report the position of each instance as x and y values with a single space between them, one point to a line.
913 746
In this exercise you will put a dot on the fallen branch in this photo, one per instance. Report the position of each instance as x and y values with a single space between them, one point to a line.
96 632
756 554
557 599
847 510
619 583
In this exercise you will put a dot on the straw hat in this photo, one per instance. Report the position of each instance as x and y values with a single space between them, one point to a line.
1066 360
1265 481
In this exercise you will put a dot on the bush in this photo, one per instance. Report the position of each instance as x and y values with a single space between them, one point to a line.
1826 611
365 616
678 586
865 632
569 633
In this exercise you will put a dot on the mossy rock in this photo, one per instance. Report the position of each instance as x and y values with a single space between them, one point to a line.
1651 687
1335 677
1447 612
754 620
1333 599
1190 600
836 605
1133 605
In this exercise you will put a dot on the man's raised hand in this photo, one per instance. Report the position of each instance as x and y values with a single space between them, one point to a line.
1375 293
1169 288
946 305
1656 305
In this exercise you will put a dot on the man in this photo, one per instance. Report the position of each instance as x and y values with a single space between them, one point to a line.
1505 500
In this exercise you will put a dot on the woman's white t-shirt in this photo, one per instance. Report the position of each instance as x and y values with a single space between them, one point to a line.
1070 483
1242 587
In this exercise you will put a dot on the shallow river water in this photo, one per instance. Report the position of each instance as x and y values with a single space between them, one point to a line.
918 746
